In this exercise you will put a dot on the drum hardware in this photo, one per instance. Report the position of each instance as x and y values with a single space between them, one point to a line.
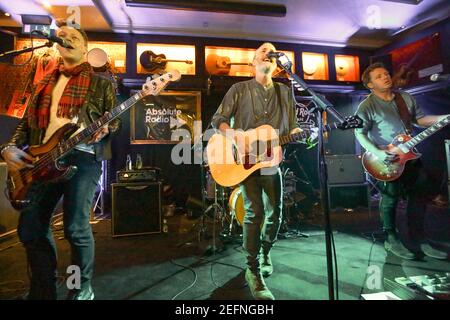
101 64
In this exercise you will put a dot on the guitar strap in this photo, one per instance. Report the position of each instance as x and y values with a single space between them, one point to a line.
403 112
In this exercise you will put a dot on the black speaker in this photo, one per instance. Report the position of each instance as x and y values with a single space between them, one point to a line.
136 208
345 169
349 196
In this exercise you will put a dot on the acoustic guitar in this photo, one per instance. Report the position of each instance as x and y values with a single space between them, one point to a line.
217 65
232 160
49 166
403 146
153 62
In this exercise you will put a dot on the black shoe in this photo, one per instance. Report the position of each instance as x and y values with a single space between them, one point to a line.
398 249
431 252
82 294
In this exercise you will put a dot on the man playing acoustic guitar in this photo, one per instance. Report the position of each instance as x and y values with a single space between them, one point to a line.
71 93
387 114
247 105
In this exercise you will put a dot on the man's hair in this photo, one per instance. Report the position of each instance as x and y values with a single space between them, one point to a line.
366 74
63 23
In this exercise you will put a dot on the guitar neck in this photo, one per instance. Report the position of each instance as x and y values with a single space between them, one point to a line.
95 126
170 60
428 132
303 134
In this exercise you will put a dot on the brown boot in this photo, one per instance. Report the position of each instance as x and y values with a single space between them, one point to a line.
257 286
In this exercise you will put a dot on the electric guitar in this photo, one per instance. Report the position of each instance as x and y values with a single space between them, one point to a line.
48 164
402 145
232 159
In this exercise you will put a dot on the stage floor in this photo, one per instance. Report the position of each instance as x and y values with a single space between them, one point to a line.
177 266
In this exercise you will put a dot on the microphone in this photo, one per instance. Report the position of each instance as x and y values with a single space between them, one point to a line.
58 40
440 77
273 54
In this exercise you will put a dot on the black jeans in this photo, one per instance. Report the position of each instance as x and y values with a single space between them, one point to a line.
263 203
35 232
413 186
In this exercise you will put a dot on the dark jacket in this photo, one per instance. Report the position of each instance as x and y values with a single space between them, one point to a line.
101 97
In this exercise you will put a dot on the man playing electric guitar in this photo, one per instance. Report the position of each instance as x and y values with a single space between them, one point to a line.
385 115
247 105
71 93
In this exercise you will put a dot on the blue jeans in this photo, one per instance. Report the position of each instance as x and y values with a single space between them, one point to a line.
263 203
35 230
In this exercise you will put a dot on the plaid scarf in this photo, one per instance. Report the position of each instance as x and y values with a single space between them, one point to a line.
71 100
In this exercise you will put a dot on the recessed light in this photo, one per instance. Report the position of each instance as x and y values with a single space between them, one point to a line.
7 14
46 4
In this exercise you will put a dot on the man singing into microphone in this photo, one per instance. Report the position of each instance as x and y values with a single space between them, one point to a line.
71 93
248 105
385 115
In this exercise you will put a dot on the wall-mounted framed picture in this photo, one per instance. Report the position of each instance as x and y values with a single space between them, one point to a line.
166 118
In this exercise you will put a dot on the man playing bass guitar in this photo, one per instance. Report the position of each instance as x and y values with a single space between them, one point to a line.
388 115
71 93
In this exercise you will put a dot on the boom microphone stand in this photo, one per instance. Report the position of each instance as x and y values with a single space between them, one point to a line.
324 105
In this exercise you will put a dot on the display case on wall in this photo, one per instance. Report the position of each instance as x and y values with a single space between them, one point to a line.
111 55
155 58
234 61
315 66
347 67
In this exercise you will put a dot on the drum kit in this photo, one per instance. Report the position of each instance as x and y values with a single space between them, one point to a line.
231 202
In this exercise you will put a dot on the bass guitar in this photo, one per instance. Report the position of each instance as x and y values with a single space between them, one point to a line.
48 166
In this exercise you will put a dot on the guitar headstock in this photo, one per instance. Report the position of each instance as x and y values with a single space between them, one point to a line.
351 122
154 86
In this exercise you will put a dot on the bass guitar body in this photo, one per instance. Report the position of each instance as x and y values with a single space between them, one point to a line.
19 182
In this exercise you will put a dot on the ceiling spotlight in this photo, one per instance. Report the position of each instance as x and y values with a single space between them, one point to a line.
7 14
46 4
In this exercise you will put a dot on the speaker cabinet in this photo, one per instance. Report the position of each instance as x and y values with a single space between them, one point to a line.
136 208
349 196
345 169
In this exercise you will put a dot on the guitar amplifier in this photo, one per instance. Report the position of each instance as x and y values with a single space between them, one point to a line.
136 208
345 169
148 174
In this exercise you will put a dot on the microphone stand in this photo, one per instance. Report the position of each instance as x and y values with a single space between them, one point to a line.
323 105
14 53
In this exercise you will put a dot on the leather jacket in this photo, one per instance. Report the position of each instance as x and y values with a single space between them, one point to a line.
101 97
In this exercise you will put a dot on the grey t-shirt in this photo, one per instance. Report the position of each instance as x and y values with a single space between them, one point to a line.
248 105
381 118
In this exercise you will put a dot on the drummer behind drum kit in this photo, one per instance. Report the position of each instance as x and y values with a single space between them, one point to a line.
101 63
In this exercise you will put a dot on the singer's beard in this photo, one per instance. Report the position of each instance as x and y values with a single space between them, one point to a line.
266 70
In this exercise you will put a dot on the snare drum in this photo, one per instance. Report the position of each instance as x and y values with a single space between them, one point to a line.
236 205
